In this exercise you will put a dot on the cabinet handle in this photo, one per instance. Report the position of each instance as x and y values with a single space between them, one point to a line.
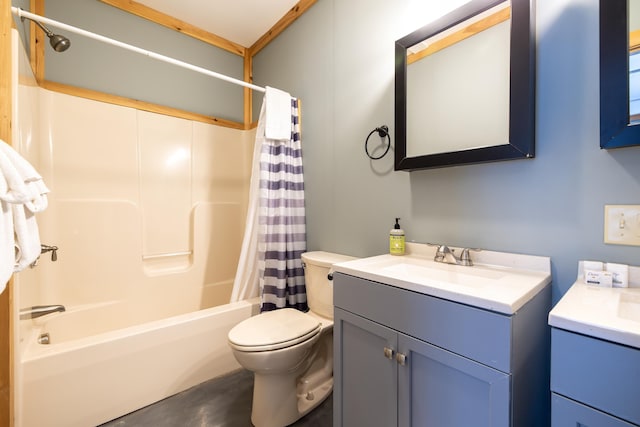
388 353
401 359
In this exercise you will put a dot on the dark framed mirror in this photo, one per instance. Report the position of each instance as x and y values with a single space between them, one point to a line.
465 87
619 73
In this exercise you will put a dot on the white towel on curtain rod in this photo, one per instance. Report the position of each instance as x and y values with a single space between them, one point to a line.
278 114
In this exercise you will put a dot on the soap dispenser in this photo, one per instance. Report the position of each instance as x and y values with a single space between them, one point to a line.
396 239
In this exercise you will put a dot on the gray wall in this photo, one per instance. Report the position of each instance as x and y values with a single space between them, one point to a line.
338 58
95 65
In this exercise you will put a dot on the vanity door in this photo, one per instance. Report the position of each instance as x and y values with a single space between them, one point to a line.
365 372
439 388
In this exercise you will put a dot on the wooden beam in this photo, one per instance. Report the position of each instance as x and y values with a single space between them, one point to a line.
6 305
140 105
294 13
248 93
462 34
37 41
176 24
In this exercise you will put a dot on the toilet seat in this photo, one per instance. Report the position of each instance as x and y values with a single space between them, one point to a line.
273 330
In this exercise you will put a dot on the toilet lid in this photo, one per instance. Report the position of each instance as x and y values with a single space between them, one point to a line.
274 329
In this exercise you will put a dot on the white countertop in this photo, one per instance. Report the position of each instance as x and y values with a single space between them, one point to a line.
497 281
612 314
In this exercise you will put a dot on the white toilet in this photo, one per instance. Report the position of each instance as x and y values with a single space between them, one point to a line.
291 352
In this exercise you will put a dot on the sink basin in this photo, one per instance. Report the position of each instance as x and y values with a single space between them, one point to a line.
452 275
497 281
629 307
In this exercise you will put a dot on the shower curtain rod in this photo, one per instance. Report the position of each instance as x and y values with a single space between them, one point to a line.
22 13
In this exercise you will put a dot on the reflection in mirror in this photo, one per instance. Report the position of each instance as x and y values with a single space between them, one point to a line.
459 86
465 87
619 73
634 61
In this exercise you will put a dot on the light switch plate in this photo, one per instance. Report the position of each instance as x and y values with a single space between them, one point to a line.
622 224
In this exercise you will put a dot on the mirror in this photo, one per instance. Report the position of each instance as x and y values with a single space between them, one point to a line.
619 73
465 87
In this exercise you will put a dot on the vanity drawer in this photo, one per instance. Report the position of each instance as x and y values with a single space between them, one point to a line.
478 334
598 373
566 412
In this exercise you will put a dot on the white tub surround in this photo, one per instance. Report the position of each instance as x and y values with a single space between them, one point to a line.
147 212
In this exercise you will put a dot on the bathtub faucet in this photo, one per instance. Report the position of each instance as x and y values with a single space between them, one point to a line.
39 310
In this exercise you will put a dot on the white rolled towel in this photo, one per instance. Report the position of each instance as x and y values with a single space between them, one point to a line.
24 183
22 193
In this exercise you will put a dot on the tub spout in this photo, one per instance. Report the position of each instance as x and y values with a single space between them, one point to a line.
39 310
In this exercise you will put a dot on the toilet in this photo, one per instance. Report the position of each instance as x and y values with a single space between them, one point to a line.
291 352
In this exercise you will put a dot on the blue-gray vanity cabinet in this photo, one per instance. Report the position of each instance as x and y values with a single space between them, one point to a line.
403 358
431 387
594 382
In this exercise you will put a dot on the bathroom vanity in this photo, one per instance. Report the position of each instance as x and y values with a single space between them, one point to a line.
422 343
595 356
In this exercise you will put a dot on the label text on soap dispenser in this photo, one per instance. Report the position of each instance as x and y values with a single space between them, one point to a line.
396 245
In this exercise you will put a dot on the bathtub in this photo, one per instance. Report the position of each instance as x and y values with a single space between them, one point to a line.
93 372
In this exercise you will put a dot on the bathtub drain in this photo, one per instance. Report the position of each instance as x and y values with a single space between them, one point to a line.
44 338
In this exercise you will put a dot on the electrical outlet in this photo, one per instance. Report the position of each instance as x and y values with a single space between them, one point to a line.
622 224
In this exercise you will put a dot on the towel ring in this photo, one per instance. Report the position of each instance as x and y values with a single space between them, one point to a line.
382 132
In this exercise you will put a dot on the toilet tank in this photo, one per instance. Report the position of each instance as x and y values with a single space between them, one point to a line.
317 266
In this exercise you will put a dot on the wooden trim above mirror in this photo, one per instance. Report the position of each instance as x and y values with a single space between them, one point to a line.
634 41
463 33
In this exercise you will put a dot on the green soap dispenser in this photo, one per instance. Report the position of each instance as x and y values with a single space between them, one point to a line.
396 239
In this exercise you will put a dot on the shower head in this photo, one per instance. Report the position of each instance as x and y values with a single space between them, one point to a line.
58 43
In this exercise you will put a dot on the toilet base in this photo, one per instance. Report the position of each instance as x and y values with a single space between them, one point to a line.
278 409
283 398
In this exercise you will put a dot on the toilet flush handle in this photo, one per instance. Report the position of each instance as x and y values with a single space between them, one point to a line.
330 275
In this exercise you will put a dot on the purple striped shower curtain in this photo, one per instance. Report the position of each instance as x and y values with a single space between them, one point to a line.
282 225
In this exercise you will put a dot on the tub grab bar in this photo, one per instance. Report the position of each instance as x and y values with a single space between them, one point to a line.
40 310
167 255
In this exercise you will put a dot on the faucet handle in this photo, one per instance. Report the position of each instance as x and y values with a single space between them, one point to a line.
465 259
52 249
441 251
441 248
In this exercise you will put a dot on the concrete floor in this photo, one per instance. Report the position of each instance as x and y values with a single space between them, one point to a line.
221 402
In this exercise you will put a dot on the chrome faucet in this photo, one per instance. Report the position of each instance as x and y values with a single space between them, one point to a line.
39 310
446 255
